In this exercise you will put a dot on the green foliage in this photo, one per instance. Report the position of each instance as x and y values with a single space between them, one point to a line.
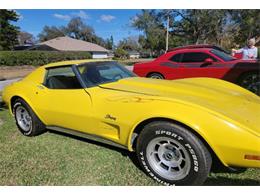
13 58
226 28
109 43
129 43
151 24
51 32
8 32
248 25
121 53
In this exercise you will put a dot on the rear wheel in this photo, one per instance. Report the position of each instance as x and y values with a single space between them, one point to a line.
26 120
172 155
251 81
155 75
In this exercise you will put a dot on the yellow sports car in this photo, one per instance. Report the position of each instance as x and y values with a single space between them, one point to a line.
177 128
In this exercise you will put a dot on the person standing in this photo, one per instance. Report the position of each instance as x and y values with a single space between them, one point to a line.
249 52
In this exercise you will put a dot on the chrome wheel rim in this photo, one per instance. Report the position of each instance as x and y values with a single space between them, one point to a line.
252 83
156 76
168 158
23 118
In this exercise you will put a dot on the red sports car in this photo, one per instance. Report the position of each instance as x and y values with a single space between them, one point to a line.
202 62
236 55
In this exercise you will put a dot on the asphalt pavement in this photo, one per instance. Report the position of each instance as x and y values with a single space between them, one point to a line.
7 82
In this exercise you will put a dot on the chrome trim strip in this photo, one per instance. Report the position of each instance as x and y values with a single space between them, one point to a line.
87 136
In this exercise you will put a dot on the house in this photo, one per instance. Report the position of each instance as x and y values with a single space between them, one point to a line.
70 44
133 54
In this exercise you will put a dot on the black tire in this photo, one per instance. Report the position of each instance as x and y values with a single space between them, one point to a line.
197 158
35 126
155 75
250 81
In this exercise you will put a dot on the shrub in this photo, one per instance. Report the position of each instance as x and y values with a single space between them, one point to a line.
121 53
36 58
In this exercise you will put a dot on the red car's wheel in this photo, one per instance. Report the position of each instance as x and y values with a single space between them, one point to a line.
155 75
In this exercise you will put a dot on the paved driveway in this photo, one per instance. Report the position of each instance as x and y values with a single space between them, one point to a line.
7 82
129 68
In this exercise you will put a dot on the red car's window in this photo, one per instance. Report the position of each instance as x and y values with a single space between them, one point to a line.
191 57
176 57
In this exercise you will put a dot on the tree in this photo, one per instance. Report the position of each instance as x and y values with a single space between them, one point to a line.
25 38
76 29
109 43
129 43
248 25
153 28
121 53
51 32
198 26
8 32
226 28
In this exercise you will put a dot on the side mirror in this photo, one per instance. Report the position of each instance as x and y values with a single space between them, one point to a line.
208 61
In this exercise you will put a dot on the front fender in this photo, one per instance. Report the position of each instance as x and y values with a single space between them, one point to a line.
223 136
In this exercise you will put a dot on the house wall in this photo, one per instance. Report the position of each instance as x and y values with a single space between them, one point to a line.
99 55
134 56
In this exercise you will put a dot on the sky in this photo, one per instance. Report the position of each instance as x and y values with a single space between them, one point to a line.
105 22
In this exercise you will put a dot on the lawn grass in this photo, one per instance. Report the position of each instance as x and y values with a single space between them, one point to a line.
55 159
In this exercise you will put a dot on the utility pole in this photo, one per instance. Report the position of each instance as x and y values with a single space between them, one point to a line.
167 34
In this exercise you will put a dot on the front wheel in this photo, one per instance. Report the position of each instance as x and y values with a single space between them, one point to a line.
172 155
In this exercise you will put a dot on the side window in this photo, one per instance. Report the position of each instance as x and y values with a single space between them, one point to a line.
196 57
61 78
176 57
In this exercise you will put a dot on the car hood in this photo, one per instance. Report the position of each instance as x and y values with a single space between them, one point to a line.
217 96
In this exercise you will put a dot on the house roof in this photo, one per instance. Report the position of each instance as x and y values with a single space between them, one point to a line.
70 44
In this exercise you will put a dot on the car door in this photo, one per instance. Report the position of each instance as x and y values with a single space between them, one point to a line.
194 64
170 66
64 103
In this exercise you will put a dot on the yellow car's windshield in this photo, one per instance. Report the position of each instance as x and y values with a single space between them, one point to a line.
96 73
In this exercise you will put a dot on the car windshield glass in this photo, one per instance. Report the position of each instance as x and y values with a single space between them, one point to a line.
222 55
220 49
95 73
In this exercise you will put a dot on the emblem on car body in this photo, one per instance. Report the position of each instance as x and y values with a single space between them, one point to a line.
108 116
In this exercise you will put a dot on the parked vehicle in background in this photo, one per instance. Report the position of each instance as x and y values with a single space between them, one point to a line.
206 61
104 101
236 55
199 46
